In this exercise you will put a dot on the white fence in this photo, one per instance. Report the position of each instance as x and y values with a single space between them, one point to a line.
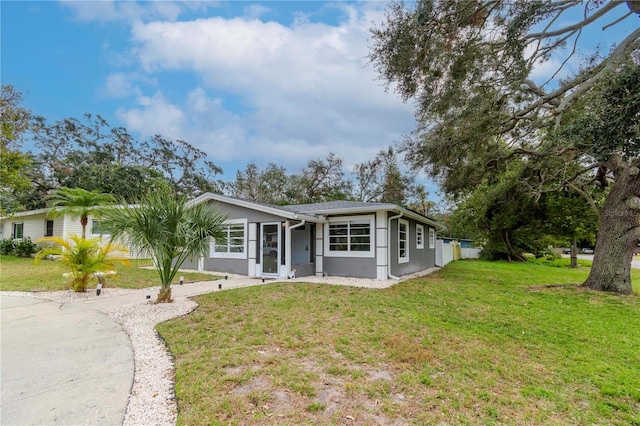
448 252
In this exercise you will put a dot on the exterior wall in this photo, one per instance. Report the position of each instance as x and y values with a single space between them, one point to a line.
419 259
356 266
246 266
232 266
351 267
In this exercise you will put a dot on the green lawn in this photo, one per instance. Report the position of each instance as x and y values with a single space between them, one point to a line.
20 274
476 343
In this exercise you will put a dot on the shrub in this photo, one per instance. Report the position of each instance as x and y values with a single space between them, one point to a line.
25 247
83 257
7 246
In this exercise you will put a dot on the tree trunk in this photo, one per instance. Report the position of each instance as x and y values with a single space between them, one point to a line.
574 253
83 221
164 296
618 235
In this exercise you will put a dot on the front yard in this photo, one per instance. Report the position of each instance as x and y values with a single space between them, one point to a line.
476 343
20 274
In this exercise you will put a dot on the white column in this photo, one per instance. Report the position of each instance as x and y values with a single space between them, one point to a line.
382 246
319 249
252 247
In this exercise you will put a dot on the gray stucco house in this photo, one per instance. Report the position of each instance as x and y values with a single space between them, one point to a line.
338 238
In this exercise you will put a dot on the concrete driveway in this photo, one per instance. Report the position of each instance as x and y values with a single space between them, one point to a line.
62 364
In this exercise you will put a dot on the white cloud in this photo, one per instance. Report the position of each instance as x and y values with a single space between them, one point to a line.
167 119
255 11
296 92
129 10
119 85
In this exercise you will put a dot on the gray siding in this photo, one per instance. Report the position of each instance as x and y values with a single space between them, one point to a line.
419 259
357 267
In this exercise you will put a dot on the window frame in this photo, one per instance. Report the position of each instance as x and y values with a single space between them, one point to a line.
14 226
419 236
405 258
102 231
213 254
432 238
46 227
349 253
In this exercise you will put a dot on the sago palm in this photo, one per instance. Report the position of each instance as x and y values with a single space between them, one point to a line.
78 203
84 257
163 225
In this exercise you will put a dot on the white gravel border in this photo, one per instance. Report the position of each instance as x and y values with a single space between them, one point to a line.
152 400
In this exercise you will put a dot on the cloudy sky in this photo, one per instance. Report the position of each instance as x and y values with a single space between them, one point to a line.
281 82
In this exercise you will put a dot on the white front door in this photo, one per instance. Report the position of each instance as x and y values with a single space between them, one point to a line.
270 255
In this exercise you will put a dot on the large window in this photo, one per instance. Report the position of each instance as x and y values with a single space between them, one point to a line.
403 241
97 228
235 243
349 236
419 236
48 228
18 230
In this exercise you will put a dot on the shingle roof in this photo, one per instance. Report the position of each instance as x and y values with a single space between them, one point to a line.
332 205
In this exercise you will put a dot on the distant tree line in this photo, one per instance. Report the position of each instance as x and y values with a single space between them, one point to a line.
90 154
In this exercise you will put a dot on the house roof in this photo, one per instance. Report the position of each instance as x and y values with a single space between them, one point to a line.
316 212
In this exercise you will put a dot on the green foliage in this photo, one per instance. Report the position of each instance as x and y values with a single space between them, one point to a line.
470 66
25 247
83 257
78 203
7 246
164 225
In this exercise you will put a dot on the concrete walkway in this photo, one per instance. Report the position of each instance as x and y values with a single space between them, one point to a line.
62 365
70 363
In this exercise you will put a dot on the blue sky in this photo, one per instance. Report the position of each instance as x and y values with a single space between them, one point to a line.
282 82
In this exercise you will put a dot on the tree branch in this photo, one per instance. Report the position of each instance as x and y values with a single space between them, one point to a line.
572 28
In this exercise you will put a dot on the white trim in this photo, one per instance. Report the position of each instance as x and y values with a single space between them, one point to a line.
253 206
405 258
278 251
372 232
420 233
227 255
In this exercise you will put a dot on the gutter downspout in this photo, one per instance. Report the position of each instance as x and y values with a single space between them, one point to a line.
288 248
389 245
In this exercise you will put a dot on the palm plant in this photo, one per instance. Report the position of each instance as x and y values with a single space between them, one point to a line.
78 203
84 257
165 226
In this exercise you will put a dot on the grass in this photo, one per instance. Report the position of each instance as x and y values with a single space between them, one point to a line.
20 274
475 343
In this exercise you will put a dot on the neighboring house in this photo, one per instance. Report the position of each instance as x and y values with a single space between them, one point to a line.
39 223
338 238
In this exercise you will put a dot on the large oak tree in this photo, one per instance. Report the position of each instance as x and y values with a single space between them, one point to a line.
469 66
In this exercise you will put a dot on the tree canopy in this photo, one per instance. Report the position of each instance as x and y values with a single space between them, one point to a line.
470 68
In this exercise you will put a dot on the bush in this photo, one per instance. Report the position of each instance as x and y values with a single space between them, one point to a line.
7 246
25 247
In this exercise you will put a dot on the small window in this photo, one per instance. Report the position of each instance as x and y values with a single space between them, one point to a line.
432 238
48 228
419 236
235 242
18 230
96 228
403 241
